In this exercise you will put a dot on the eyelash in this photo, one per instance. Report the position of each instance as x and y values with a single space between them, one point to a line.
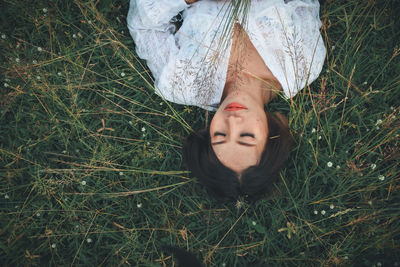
218 133
247 134
241 135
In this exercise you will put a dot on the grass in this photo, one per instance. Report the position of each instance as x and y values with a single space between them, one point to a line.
91 163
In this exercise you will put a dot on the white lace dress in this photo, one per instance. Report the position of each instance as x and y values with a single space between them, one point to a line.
190 66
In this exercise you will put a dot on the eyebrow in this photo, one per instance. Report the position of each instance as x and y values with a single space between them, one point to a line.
239 142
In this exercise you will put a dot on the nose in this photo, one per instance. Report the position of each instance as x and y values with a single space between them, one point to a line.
234 119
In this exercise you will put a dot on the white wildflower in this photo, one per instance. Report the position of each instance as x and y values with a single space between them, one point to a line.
64 151
17 60
346 257
239 204
6 196
130 122
338 167
143 129
121 173
379 121
223 264
38 78
329 164
44 10
89 21
53 245
139 205
39 49
122 74
253 223
319 137
377 127
6 85
59 73
331 206
83 182
89 240
381 177
365 83
148 143
74 36
333 47
323 212
34 62
392 108
315 212
3 36
370 202
373 166
313 130
38 214
161 103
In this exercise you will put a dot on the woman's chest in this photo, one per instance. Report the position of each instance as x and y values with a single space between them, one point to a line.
244 59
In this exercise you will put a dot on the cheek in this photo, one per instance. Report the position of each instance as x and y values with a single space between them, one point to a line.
262 127
215 120
213 123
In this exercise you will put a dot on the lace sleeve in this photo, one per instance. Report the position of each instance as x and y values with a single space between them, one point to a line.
148 24
291 42
158 12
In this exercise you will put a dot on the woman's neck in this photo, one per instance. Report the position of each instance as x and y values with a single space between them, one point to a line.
263 91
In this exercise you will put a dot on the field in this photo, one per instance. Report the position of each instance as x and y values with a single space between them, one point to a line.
91 163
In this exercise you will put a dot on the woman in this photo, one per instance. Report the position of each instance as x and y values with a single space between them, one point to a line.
274 47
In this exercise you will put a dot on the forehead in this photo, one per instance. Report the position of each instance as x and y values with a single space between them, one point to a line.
237 157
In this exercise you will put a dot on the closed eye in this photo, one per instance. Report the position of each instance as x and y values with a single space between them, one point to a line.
247 134
219 133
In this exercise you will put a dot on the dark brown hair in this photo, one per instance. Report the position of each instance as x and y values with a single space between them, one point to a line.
255 181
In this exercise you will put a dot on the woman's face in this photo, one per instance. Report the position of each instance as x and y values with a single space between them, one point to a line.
239 132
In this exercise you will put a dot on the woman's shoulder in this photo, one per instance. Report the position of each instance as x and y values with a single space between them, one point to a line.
287 36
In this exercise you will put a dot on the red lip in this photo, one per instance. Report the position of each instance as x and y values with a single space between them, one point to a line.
234 107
